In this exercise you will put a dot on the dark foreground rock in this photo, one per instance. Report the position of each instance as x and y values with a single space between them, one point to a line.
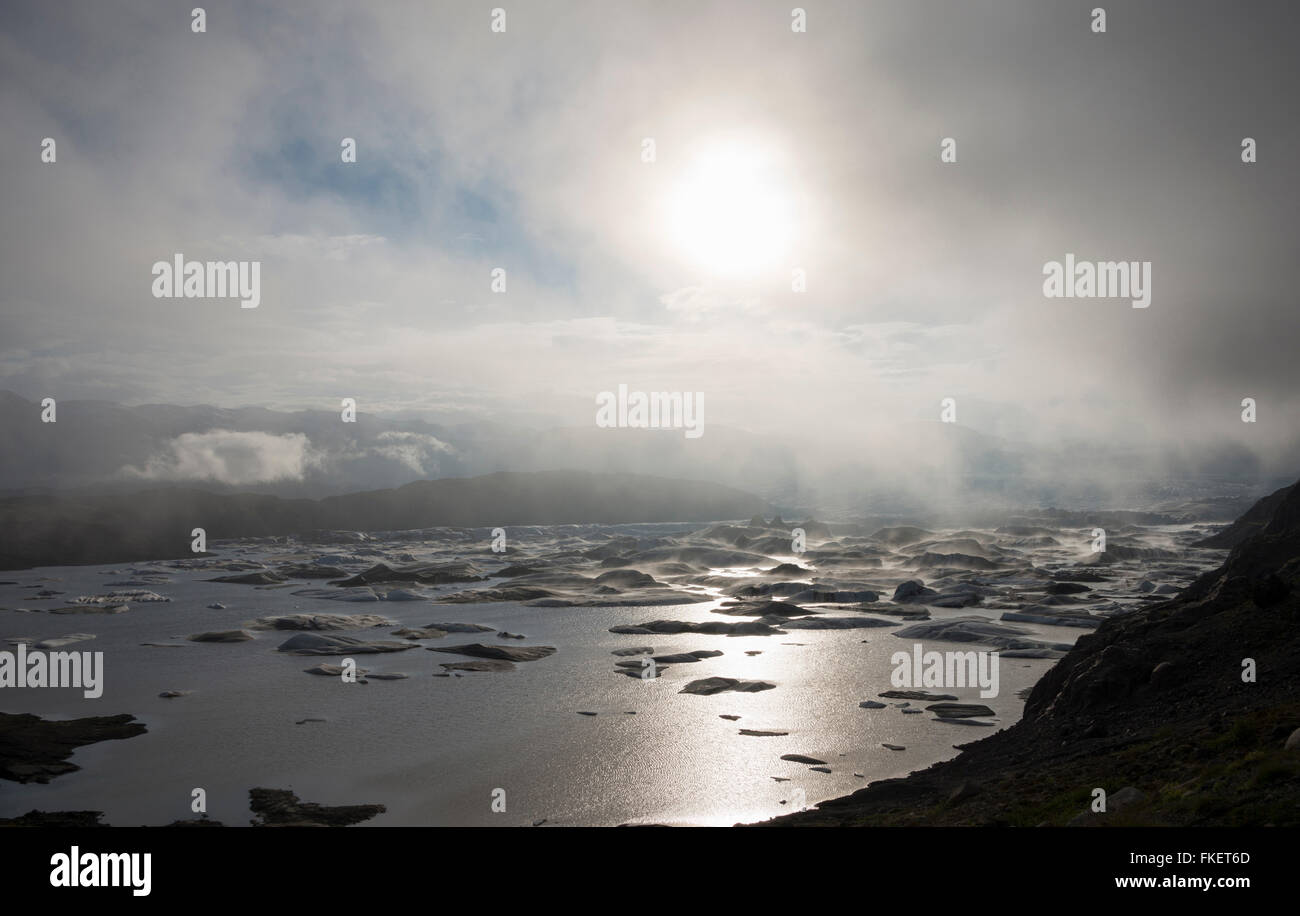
281 808
33 749
74 819
273 807
1152 707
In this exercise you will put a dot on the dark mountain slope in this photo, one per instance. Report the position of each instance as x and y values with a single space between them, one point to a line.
1250 523
1154 701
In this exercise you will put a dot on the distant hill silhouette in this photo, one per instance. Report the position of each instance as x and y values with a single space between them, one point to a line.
114 525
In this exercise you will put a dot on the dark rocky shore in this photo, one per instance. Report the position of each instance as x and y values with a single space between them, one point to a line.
33 749
273 807
1152 707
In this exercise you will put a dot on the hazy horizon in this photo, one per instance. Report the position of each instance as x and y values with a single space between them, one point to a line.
774 152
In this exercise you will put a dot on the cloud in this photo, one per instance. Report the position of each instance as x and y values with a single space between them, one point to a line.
230 457
417 451
696 302
252 458
521 150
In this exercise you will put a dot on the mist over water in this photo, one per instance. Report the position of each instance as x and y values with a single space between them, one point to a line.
572 739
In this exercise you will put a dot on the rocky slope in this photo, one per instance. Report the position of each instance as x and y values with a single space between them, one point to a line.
1157 708
1249 523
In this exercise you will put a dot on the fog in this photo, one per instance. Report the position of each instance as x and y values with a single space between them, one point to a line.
774 152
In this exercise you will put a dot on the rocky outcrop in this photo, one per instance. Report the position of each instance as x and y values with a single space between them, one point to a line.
281 808
33 749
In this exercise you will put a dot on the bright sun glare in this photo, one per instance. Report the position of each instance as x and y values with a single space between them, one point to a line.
730 212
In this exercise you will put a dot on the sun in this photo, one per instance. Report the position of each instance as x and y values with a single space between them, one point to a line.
729 212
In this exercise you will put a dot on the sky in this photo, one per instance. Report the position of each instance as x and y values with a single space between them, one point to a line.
774 151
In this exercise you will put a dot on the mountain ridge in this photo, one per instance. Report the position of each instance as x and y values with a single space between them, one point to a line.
91 526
